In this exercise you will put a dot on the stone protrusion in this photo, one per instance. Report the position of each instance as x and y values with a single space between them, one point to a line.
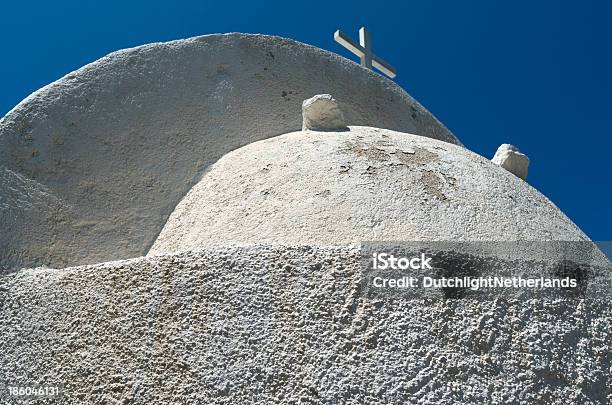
322 113
510 158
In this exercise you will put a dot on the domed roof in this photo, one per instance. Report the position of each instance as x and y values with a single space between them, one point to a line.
121 140
339 188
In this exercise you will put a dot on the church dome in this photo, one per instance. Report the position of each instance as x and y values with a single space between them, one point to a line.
116 144
363 184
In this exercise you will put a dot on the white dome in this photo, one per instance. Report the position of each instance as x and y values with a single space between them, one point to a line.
119 142
342 188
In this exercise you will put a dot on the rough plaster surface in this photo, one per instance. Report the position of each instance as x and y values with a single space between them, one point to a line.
115 145
510 158
23 199
342 188
92 165
286 324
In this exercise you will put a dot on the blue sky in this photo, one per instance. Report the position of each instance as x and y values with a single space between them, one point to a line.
537 74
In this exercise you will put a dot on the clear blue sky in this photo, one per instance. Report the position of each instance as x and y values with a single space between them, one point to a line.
537 74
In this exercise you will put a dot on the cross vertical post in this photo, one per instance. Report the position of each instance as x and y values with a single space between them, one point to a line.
365 40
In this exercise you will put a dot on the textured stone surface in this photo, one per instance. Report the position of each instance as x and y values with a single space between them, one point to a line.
322 113
286 324
510 158
92 166
24 199
341 188
117 143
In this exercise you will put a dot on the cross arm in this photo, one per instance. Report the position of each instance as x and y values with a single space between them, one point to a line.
383 67
348 43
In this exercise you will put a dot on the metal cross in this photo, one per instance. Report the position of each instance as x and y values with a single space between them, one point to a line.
364 51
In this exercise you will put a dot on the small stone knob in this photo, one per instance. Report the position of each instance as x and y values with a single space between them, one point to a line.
511 159
321 113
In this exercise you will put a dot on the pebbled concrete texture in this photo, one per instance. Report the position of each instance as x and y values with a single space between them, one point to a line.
286 324
121 140
342 188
